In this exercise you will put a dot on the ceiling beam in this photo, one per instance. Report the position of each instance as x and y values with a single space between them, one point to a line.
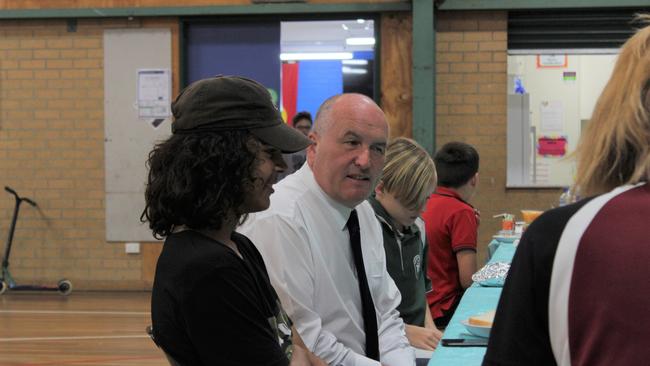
255 9
536 4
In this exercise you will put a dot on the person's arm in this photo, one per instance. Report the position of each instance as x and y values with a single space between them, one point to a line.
428 319
466 266
394 346
426 337
463 233
422 337
313 360
299 356
285 248
428 287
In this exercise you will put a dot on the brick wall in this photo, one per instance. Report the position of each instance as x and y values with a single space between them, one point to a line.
52 150
471 75
51 140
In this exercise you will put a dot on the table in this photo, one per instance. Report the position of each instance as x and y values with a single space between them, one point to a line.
477 299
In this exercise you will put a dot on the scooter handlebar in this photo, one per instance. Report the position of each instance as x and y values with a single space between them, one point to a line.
11 191
29 201
20 198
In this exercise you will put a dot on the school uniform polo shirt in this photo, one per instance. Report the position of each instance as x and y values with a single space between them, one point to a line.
406 263
451 226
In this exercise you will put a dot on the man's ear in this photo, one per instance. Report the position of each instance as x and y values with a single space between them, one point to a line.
311 149
474 180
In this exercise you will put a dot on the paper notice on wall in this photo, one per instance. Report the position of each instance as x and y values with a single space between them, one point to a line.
551 117
552 146
552 61
154 90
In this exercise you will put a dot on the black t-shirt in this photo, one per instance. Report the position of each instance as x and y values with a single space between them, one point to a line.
210 307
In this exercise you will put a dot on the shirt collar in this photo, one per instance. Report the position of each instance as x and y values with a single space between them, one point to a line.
339 212
385 218
447 191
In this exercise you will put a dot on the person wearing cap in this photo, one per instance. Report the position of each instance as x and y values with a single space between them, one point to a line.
212 302
323 245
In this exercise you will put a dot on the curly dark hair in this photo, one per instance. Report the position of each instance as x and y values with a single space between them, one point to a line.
197 180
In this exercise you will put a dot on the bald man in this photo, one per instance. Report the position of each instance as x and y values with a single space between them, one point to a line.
339 294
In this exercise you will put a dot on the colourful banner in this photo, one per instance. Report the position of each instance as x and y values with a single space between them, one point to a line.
289 90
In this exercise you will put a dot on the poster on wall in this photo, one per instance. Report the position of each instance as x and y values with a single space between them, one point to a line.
551 117
552 61
153 94
552 146
569 77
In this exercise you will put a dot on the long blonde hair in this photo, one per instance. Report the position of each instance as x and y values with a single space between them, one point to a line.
409 172
615 148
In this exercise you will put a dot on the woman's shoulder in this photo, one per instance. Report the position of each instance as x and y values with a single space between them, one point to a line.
246 245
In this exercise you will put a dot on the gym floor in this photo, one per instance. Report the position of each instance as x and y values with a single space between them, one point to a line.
84 328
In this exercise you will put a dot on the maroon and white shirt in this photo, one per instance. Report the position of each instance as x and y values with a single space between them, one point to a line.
578 290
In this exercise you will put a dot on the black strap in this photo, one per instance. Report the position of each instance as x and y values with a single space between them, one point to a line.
367 305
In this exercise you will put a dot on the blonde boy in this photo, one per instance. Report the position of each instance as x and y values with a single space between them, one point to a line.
409 178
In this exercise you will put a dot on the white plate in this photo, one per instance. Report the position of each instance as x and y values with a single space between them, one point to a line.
506 238
477 330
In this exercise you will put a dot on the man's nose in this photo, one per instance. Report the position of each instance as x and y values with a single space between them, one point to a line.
363 158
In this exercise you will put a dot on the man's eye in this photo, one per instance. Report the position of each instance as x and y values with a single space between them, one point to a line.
379 149
352 142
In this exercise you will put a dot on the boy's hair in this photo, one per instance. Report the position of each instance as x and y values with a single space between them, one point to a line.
301 115
409 172
457 163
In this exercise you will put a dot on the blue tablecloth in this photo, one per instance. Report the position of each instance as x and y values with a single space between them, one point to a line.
476 300
503 253
494 245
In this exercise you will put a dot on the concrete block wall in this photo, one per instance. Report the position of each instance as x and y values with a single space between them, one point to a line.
471 106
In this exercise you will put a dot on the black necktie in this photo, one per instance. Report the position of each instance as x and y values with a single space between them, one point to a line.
367 305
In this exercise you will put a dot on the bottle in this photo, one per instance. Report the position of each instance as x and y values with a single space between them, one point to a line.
565 197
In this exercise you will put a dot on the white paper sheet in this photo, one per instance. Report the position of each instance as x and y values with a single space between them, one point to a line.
551 117
154 90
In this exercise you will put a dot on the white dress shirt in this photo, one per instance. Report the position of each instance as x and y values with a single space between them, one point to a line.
305 244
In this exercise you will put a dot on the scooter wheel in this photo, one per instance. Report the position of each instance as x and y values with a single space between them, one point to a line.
3 287
65 287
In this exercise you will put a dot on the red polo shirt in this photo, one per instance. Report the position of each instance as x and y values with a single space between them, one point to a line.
451 226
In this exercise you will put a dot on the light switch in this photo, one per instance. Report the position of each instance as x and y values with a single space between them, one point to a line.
132 248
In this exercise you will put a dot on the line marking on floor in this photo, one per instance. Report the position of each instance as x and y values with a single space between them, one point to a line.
70 338
98 360
75 312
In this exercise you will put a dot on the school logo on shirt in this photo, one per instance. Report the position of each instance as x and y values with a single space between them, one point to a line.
417 261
